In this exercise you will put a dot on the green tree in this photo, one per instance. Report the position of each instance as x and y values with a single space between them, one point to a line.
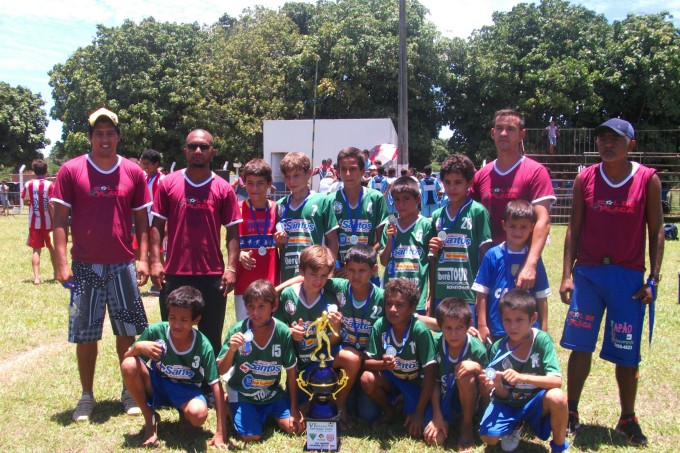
544 60
642 75
22 125
147 73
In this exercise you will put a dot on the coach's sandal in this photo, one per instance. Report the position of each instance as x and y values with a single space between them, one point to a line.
574 424
129 404
84 408
631 430
559 448
511 441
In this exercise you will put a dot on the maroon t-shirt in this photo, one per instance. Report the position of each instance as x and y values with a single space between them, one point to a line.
614 225
195 214
527 180
101 204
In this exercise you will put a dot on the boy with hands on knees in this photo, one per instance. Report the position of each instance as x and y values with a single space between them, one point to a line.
523 378
253 356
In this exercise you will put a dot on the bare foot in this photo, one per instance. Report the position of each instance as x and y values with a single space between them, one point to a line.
151 433
37 281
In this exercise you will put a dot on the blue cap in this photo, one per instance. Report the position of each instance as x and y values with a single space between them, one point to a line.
621 127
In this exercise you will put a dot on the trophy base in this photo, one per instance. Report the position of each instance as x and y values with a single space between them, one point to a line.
322 434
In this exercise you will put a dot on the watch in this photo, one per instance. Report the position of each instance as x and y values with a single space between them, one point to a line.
655 277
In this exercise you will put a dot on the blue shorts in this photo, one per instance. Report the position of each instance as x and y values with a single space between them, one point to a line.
410 391
250 418
553 140
499 419
98 286
167 393
361 405
470 304
609 287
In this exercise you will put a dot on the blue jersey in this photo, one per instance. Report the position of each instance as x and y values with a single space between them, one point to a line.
429 188
497 275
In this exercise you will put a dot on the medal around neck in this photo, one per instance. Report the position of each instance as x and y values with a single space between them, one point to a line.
280 228
262 251
442 235
391 219
490 373
248 338
391 351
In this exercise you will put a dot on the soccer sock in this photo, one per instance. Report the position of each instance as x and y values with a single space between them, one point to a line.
627 416
573 405
88 395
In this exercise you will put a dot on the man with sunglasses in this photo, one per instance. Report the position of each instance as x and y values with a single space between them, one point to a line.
195 203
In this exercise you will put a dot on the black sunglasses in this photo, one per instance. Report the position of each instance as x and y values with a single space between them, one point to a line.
203 146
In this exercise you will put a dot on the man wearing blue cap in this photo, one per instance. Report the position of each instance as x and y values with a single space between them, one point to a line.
613 202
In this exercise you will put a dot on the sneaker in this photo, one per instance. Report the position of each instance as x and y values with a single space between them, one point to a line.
511 441
630 428
574 423
130 406
84 408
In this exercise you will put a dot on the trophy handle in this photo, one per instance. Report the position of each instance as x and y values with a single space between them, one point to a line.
342 383
302 384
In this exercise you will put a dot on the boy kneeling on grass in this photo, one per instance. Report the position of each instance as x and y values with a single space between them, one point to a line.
523 378
167 365
461 357
254 353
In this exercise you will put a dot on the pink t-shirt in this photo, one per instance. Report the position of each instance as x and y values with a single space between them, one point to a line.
614 225
252 236
194 215
101 204
39 192
527 180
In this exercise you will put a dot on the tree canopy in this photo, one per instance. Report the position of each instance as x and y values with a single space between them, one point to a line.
22 125
551 59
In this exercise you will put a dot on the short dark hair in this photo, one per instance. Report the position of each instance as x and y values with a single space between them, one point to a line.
518 299
362 253
458 163
519 210
351 152
405 184
405 287
427 170
508 112
454 308
39 167
257 167
392 172
151 155
260 289
186 297
381 170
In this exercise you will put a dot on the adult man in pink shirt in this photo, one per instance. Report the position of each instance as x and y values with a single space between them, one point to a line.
195 203
511 176
102 191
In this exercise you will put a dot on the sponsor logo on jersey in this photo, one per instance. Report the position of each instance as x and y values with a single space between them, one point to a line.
407 267
261 367
363 226
341 299
458 240
290 307
104 191
408 252
452 275
456 257
299 226
291 259
620 206
176 371
196 203
337 206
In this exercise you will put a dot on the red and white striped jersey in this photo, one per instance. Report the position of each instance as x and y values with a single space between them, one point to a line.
38 192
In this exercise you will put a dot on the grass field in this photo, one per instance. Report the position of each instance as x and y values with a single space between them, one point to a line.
41 383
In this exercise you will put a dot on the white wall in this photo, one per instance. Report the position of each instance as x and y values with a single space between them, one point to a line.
284 136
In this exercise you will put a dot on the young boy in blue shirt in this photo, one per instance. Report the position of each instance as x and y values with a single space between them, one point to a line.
463 235
167 365
255 352
461 357
524 380
501 266
405 241
400 358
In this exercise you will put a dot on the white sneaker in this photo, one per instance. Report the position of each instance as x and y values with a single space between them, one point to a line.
84 408
511 441
129 404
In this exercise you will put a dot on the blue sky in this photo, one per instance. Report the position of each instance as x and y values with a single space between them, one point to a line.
37 34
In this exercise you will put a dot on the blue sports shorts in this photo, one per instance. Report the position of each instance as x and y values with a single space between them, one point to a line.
499 419
606 287
250 418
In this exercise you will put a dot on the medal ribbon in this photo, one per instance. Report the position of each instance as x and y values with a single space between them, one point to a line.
363 313
353 221
285 211
404 339
452 380
262 237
